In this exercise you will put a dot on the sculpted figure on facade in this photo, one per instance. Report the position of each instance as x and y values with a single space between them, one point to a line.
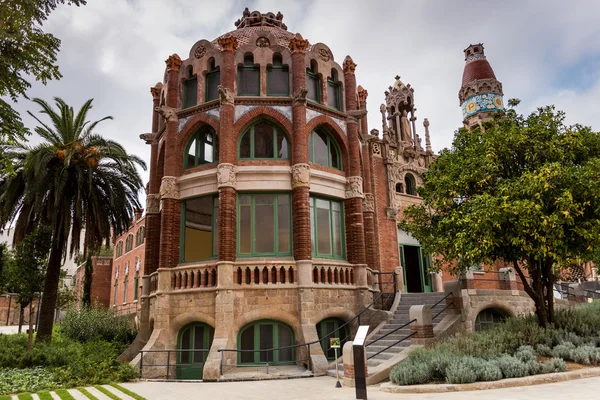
355 187
167 113
299 96
405 127
369 203
300 175
226 175
168 188
226 95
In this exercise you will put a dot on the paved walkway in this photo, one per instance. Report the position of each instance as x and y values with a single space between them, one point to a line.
324 388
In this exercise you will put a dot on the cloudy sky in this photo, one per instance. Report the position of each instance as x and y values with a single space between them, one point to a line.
544 52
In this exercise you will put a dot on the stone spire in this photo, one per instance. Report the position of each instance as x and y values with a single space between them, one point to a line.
427 137
480 93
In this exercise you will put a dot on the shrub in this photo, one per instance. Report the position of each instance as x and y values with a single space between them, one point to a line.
410 373
14 380
97 323
438 364
554 365
512 367
525 354
544 350
563 350
462 371
581 355
489 371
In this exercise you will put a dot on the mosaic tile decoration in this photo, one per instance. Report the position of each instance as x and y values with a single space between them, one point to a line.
311 114
474 57
215 113
284 110
181 123
241 110
481 103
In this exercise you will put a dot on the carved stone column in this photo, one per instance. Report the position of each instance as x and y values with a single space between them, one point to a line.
227 152
300 169
355 235
169 193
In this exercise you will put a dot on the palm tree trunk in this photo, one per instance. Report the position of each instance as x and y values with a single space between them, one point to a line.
46 317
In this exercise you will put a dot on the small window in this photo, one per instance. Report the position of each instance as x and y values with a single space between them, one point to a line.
399 188
278 78
249 77
263 140
409 182
200 230
323 150
201 148
313 83
327 228
190 89
333 91
213 80
129 243
488 318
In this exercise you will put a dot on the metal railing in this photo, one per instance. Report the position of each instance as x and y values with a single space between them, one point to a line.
177 363
269 353
329 335
383 292
445 308
393 344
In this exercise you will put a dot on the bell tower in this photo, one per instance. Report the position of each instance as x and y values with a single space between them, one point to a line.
480 93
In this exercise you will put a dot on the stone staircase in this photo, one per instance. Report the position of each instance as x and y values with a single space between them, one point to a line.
401 317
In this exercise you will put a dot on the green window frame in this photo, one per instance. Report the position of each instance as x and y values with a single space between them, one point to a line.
334 159
190 84
278 67
258 329
313 79
211 82
190 363
283 154
214 229
246 214
410 184
334 98
248 70
335 222
200 140
488 319
328 326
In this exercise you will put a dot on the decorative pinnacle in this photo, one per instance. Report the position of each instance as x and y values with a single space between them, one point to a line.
173 62
349 66
298 44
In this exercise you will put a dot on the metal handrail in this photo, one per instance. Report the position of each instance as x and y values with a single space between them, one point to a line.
357 316
443 309
442 299
389 333
267 364
168 364
392 345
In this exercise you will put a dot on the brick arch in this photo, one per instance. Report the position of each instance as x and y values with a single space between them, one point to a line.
335 312
267 113
324 121
266 313
498 306
182 320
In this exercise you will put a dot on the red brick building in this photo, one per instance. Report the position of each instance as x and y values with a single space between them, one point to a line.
272 208
126 275
101 280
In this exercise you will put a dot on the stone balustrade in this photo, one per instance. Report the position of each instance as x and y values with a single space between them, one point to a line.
193 277
247 274
333 275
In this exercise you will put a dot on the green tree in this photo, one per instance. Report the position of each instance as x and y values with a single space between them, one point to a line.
27 271
4 260
27 52
75 181
523 190
87 283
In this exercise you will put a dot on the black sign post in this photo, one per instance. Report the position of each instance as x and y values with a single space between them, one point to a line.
360 369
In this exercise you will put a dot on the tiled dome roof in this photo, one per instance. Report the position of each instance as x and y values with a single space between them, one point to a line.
243 35
477 69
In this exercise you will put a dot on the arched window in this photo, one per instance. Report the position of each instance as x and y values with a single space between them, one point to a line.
399 188
119 249
248 77
411 187
278 83
313 83
334 99
201 148
129 243
263 335
323 150
213 79
263 140
140 235
190 89
488 318
196 338
330 328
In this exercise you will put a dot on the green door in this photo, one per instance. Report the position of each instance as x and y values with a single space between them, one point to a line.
415 266
195 339
326 327
259 337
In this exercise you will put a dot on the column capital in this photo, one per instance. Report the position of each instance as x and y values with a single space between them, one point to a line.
155 90
362 94
349 66
300 175
173 63
226 175
369 203
168 188
355 187
298 44
152 204
228 43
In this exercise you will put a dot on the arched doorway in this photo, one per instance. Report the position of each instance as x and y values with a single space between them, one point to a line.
265 335
328 326
195 340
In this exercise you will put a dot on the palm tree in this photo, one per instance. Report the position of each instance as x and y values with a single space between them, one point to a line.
75 181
